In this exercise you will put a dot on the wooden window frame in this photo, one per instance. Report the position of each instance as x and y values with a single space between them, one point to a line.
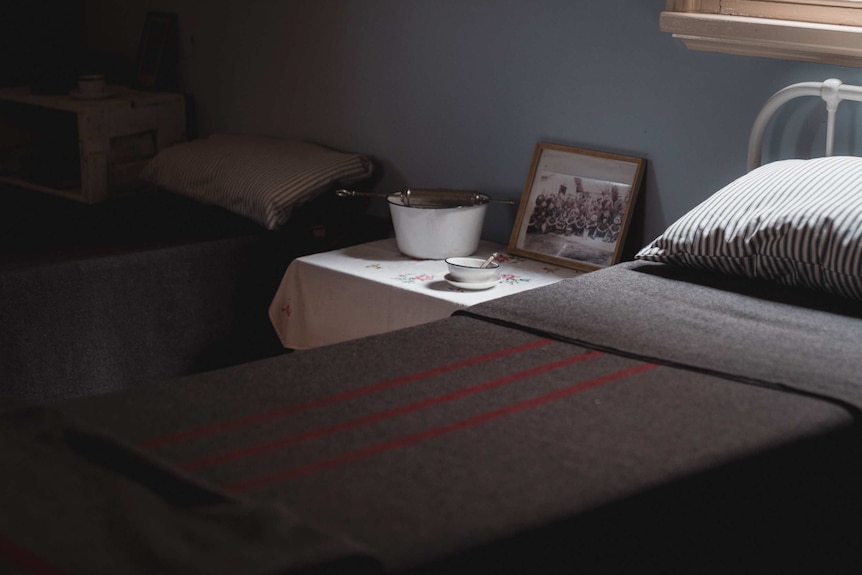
824 31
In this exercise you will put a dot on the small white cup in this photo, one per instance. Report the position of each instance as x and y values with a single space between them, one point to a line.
90 84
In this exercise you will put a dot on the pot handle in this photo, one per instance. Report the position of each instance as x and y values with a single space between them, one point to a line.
428 197
352 193
455 197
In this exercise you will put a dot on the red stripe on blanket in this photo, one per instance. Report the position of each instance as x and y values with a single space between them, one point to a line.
324 401
380 416
310 468
25 561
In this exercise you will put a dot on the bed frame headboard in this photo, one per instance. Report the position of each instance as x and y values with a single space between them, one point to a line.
832 91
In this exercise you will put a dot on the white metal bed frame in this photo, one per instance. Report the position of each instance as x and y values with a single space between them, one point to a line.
832 91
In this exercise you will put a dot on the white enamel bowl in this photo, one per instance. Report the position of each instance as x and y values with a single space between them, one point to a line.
469 270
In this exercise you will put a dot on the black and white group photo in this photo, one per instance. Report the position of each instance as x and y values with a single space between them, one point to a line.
576 218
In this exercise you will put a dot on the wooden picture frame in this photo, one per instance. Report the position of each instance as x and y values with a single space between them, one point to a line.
156 65
576 206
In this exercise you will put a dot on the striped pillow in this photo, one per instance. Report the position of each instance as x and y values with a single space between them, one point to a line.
257 177
796 222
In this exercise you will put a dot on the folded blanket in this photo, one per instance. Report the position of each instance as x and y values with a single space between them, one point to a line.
77 501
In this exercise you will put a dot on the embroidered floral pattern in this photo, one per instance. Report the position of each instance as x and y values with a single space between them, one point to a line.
505 258
512 279
413 278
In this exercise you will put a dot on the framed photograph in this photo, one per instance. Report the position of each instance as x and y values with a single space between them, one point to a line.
156 66
576 207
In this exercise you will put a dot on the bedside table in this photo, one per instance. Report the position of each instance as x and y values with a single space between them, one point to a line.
373 288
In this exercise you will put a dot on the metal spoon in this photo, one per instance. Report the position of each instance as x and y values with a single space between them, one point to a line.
487 262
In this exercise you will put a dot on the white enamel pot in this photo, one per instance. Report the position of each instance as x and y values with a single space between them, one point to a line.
437 232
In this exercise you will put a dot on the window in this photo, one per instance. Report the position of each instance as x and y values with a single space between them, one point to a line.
827 31
842 12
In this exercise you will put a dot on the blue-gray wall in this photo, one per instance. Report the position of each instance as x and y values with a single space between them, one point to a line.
456 93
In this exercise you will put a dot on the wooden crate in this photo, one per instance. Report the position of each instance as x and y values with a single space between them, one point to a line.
85 149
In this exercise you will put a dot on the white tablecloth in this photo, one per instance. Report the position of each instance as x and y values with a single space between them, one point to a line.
372 288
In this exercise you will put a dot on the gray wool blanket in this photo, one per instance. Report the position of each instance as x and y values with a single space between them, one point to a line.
635 419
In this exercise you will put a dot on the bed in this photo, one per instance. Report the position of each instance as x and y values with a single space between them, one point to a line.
171 280
695 410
